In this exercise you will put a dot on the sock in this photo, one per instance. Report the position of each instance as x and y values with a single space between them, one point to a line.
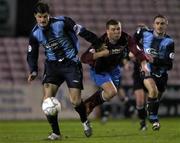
81 109
142 114
93 101
152 107
53 121
96 98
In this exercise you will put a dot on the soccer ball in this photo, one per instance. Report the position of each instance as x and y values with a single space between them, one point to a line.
51 106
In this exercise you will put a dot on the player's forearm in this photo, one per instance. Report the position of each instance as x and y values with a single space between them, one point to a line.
100 54
91 37
138 53
33 68
87 58
32 62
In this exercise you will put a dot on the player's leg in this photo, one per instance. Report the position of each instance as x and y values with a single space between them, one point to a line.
140 106
107 91
161 83
152 102
75 98
105 111
50 91
122 94
99 97
51 82
139 93
73 77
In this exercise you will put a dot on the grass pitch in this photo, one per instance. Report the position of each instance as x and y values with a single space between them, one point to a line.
114 131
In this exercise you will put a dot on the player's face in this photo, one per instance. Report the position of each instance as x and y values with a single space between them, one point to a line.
42 19
114 32
160 26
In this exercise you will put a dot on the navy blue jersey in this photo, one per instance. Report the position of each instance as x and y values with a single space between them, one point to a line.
160 48
59 40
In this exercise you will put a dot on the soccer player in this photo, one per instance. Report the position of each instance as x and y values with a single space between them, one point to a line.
160 48
58 37
138 88
105 69
111 108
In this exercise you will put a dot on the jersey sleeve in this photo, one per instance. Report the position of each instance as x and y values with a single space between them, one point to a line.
138 36
32 54
83 32
137 52
87 56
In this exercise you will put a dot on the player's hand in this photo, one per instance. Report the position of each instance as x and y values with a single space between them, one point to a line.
104 53
145 68
32 76
131 56
150 58
101 52
103 47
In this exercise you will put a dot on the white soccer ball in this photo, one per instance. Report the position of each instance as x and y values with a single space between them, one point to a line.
51 106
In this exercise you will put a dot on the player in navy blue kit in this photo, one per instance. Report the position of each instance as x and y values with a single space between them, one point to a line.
139 89
160 48
58 37
105 69
140 95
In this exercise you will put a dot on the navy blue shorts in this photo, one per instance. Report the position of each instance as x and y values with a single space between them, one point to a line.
161 82
137 79
57 72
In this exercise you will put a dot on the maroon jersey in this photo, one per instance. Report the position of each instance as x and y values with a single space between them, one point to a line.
105 64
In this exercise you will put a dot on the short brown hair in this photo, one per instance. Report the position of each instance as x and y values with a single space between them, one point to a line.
160 16
41 7
111 22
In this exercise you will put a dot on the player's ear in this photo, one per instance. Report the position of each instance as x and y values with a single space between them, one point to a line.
35 15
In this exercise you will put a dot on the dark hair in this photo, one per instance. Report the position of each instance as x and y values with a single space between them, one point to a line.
111 22
41 7
160 16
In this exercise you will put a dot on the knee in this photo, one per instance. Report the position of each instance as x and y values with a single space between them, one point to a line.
153 93
110 93
75 101
140 102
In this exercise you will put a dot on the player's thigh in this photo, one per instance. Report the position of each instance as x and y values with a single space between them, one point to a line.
49 90
75 96
109 88
73 75
52 73
150 85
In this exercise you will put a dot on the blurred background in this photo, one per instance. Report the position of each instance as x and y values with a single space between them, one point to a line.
19 100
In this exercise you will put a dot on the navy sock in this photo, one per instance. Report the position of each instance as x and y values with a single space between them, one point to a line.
142 114
53 121
81 109
152 107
